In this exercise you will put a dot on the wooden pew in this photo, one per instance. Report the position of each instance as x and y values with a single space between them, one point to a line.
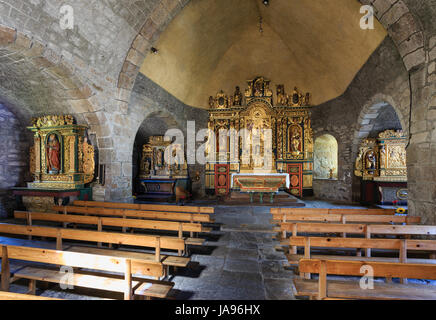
100 222
281 211
322 289
400 245
347 218
147 207
360 229
129 284
144 214
59 234
21 296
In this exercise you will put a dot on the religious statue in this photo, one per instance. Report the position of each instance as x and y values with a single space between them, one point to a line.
53 154
370 160
282 99
211 102
237 97
295 139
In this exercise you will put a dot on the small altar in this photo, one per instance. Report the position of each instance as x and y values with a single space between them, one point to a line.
261 183
62 164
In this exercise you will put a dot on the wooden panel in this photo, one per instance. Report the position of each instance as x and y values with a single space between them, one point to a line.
348 218
95 236
410 229
352 290
380 269
138 206
83 260
20 296
222 179
324 227
393 244
295 171
174 216
116 222
174 261
333 211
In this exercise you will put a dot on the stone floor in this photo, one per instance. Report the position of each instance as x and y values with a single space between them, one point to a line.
238 261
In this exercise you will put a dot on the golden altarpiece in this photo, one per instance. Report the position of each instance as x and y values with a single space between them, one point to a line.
288 118
381 165
61 162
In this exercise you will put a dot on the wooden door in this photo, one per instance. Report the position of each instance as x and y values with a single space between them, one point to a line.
295 171
222 179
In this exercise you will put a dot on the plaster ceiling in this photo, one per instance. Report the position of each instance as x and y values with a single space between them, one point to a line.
316 45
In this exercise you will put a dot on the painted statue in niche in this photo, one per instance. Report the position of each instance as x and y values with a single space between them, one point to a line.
237 97
295 139
370 160
53 154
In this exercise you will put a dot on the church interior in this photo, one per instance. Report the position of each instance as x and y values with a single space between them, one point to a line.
218 149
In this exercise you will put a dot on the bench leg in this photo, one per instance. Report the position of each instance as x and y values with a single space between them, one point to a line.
32 287
5 273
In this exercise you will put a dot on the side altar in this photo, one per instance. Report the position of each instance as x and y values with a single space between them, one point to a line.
381 166
267 141
162 176
61 162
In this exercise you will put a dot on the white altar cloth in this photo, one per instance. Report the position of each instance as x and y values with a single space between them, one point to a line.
288 181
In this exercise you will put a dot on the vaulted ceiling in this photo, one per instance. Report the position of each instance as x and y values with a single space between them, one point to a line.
316 45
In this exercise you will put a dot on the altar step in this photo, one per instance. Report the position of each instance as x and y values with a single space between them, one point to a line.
280 199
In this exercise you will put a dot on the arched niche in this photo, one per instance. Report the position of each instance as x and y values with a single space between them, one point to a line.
325 164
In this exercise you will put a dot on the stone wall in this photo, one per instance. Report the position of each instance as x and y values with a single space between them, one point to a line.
382 80
148 100
421 153
14 158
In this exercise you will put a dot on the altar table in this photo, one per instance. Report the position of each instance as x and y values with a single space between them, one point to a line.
260 183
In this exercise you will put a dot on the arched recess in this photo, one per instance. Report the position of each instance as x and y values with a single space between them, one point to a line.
156 123
325 164
377 115
35 81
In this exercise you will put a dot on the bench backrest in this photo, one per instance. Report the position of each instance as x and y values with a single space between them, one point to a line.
157 242
347 218
280 211
138 206
366 229
380 269
357 243
156 215
82 260
360 268
114 222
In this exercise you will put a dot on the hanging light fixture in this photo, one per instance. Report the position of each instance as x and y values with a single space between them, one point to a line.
260 25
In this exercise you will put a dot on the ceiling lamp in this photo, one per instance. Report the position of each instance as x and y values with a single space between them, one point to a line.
265 2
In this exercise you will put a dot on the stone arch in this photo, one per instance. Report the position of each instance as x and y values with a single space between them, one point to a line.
37 81
154 123
370 111
365 123
404 29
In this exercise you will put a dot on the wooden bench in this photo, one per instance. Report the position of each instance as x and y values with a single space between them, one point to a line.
359 229
345 218
100 222
147 207
155 242
400 245
347 289
129 284
143 214
278 212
